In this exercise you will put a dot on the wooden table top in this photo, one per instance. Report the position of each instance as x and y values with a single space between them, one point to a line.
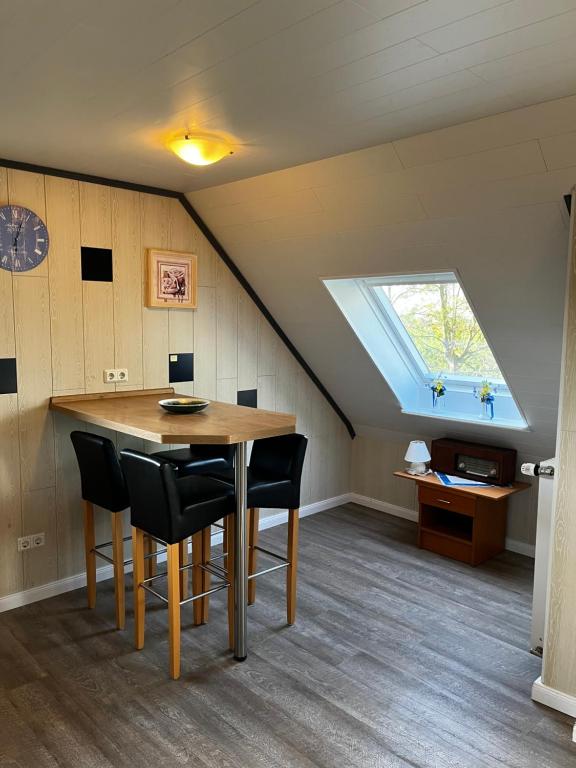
137 413
495 493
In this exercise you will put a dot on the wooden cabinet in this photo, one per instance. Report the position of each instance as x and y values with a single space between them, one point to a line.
467 524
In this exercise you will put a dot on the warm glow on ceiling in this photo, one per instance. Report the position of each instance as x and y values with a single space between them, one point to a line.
200 148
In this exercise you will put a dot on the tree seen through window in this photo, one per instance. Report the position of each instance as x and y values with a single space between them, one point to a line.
443 328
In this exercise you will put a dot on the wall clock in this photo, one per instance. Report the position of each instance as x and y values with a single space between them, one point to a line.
23 239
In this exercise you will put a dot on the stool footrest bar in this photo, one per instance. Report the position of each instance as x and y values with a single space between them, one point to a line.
268 570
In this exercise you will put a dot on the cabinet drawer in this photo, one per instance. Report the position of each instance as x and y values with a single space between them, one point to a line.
445 499
447 546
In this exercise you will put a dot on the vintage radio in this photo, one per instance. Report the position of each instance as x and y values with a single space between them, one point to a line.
473 461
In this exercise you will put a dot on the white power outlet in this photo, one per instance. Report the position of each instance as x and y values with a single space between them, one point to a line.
31 542
113 375
24 543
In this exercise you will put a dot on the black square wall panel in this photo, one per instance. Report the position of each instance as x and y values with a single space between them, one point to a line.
97 264
8 382
248 397
181 367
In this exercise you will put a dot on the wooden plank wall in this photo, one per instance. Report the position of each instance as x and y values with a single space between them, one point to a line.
559 665
64 331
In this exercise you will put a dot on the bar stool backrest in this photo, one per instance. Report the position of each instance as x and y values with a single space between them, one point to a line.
154 499
100 472
280 457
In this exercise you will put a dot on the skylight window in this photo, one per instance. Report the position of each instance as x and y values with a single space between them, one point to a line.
421 331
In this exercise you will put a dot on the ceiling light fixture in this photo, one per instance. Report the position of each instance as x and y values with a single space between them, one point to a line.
200 148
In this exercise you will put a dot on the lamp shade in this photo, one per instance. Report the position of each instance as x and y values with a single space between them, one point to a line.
200 148
417 452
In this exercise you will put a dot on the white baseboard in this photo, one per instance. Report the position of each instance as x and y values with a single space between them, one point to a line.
68 584
520 547
384 506
550 697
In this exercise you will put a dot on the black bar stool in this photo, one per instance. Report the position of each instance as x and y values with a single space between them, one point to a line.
169 509
102 484
197 460
274 481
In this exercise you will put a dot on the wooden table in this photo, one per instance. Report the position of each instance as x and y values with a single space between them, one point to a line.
467 523
137 413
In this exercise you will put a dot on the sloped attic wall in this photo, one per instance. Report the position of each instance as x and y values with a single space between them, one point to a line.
484 198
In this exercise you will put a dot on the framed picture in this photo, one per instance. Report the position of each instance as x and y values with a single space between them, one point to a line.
171 279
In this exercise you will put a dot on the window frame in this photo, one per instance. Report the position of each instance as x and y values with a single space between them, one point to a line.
401 338
392 351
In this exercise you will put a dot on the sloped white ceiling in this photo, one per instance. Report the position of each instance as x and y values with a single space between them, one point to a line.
483 198
95 87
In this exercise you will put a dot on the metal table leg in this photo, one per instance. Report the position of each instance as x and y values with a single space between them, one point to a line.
240 557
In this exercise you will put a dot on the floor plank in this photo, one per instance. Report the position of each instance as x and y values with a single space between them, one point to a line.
399 658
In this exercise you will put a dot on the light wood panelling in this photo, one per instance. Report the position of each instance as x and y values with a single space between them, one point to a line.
98 297
559 667
226 324
181 321
205 343
247 342
96 209
155 228
98 334
27 189
34 365
10 503
7 346
207 264
268 342
40 565
226 390
66 301
127 262
65 331
267 393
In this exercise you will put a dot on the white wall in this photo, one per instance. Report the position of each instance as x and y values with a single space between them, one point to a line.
482 197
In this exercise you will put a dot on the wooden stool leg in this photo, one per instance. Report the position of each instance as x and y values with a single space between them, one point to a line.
229 533
183 576
118 557
292 570
150 562
253 523
206 554
89 544
174 609
139 593
197 576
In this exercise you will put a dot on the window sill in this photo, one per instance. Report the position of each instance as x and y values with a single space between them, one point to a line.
494 423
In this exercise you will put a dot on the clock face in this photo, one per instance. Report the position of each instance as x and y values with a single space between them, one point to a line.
23 239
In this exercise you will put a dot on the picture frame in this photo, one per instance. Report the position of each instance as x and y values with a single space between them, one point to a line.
171 279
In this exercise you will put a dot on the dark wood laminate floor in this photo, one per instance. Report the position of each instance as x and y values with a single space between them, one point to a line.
399 658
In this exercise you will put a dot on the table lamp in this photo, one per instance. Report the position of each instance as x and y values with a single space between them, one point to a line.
417 454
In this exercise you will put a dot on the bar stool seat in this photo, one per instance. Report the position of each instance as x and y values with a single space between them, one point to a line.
170 509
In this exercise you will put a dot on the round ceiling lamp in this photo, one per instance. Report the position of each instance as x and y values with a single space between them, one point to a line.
200 148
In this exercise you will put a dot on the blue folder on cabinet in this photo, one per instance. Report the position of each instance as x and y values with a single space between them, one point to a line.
453 481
